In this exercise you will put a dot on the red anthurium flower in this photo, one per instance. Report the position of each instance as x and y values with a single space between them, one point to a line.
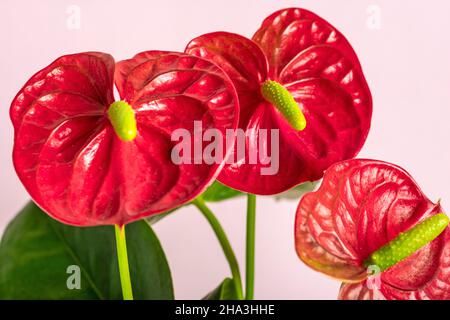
294 55
370 215
88 160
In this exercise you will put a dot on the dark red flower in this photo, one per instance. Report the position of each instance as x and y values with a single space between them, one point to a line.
319 68
74 165
363 205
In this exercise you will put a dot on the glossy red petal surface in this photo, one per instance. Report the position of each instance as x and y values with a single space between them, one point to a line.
242 60
287 32
423 276
65 89
360 206
247 173
72 162
318 66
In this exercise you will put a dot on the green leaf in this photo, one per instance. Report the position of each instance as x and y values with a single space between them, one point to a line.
296 193
215 193
36 252
225 291
156 217
219 192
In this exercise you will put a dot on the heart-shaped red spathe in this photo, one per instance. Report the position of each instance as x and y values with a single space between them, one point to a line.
72 162
318 66
360 206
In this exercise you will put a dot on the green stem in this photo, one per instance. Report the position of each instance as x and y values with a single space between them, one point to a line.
122 257
250 254
224 242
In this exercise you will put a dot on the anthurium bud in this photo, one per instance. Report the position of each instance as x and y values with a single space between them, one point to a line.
282 99
122 118
406 243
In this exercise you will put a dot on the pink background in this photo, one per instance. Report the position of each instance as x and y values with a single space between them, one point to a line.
406 62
